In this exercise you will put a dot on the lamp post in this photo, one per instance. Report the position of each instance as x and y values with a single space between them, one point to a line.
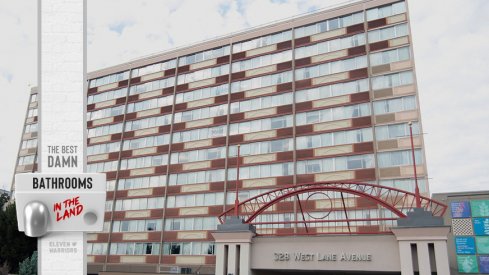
416 190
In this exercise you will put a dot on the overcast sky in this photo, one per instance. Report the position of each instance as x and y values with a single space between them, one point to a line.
451 46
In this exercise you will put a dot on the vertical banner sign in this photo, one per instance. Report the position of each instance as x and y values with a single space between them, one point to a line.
460 209
484 264
467 264
480 208
465 245
62 122
481 226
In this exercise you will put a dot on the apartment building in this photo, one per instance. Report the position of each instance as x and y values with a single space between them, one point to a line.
322 97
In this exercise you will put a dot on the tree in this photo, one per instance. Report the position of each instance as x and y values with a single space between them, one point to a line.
29 265
15 246
4 198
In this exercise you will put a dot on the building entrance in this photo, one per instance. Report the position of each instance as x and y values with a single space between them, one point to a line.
413 242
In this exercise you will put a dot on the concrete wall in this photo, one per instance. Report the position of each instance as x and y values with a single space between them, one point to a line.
383 251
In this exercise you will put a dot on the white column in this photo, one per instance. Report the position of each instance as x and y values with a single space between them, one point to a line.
244 263
232 268
62 69
406 258
441 257
423 259
220 257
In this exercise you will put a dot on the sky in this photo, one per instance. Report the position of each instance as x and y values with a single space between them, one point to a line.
450 40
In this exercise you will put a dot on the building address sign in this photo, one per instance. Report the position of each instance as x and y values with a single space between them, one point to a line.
321 257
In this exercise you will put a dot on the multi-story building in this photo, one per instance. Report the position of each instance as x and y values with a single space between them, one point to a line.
322 97
27 156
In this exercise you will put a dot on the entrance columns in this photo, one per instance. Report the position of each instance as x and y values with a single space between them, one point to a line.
233 247
422 242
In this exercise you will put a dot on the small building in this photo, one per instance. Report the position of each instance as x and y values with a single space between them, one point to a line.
468 241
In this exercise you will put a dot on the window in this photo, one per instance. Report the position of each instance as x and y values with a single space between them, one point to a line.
261 125
262 171
335 138
107 95
261 61
406 184
198 134
102 166
187 224
393 105
330 46
393 131
141 182
153 68
151 86
385 11
390 56
203 74
137 226
343 112
399 158
131 144
150 104
332 90
335 164
105 130
388 33
134 248
26 160
265 147
205 55
261 81
148 122
191 200
107 112
201 113
392 80
29 128
245 194
202 93
141 162
31 143
261 103
331 68
330 24
188 248
103 148
197 177
139 204
32 112
109 79
262 41
97 248
198 155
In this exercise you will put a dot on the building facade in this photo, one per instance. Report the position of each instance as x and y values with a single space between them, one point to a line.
468 241
27 156
322 97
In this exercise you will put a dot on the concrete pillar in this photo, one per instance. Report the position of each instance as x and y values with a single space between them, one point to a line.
237 236
245 262
423 258
406 258
232 259
420 227
220 258
422 236
441 256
